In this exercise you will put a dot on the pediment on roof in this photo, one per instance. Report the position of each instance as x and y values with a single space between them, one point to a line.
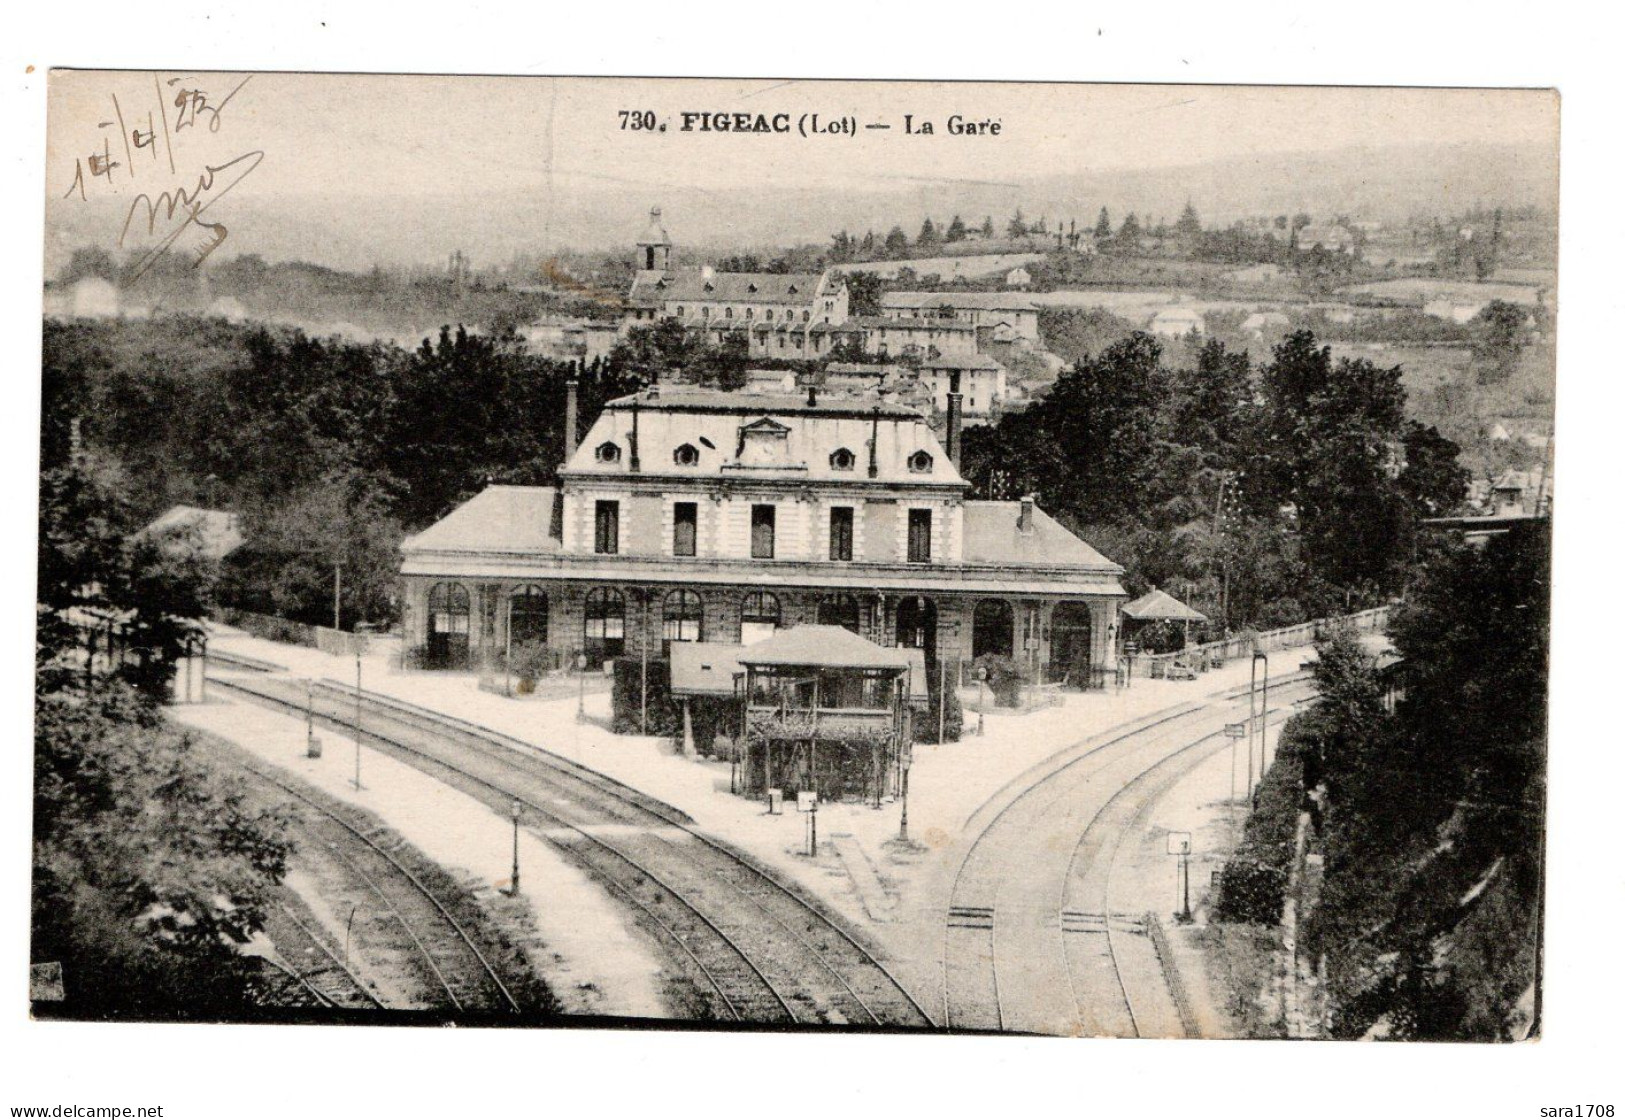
765 426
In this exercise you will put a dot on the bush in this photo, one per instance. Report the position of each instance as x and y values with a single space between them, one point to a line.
626 699
1252 887
529 661
1004 679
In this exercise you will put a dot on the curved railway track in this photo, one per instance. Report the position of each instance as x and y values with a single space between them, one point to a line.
763 952
1032 941
443 944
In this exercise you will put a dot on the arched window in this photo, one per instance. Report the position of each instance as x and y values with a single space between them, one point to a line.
448 626
840 610
686 455
527 616
842 459
759 616
684 617
920 462
805 316
607 453
727 313
750 313
603 627
768 315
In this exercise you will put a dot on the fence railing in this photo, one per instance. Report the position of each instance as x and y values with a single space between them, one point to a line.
269 627
1211 654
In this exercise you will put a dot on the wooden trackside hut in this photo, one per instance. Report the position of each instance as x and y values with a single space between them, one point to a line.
827 711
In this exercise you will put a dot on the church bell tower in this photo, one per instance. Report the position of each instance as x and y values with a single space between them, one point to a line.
654 247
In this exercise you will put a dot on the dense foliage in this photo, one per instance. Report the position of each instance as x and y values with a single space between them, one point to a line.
329 450
1431 828
149 869
1263 495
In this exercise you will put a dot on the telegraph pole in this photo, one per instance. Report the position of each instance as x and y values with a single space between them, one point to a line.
518 808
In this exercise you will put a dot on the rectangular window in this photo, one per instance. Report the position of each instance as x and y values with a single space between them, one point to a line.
919 536
685 523
606 537
761 532
840 533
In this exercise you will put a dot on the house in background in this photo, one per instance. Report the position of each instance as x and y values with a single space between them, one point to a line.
1177 322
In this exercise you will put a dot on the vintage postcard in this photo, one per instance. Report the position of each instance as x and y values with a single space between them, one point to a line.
1012 558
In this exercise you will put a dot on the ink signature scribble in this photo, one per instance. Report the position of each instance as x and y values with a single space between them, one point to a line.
164 147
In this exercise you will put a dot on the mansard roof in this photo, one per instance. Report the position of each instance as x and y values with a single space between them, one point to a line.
712 421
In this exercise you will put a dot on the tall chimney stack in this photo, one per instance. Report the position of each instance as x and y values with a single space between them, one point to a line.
955 400
1025 524
572 416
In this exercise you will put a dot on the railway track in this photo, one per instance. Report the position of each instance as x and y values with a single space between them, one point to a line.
760 951
1034 939
462 973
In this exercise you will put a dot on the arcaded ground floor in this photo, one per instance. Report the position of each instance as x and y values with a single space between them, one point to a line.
463 623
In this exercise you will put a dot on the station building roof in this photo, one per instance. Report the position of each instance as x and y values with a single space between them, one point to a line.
498 519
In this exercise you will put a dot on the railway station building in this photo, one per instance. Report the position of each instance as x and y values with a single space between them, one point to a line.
690 515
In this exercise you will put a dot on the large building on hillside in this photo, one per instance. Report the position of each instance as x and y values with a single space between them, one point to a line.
759 302
692 515
1004 312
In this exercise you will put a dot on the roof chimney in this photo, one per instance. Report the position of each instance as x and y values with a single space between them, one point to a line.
1024 524
812 396
633 441
572 410
955 400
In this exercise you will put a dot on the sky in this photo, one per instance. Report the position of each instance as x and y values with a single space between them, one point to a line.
418 135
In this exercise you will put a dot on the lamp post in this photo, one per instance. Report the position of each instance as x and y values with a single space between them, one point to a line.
1263 713
518 808
358 716
1254 720
581 687
981 700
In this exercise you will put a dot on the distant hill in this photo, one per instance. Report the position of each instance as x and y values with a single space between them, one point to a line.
343 232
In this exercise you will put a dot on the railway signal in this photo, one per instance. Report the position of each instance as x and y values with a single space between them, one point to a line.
1179 844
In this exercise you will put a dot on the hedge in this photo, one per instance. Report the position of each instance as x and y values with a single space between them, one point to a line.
1252 887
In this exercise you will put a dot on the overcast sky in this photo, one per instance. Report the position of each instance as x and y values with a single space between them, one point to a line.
387 135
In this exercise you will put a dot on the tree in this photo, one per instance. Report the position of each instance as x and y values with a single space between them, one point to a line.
1498 340
956 230
1129 233
149 869
863 293
1103 227
928 235
1189 225
987 227
1017 227
896 243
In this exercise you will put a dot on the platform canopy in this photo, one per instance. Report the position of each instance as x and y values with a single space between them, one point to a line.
1159 606
823 647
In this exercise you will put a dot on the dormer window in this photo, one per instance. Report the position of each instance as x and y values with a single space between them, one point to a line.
752 287
686 456
920 462
793 289
842 460
710 287
607 453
